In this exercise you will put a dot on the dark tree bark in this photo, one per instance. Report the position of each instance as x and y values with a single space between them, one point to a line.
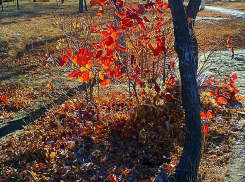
192 10
1 4
18 7
81 6
187 168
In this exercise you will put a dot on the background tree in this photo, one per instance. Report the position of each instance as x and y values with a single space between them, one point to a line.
81 6
1 4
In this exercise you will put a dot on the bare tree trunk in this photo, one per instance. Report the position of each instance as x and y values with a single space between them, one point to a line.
18 7
80 6
1 4
192 10
86 8
189 162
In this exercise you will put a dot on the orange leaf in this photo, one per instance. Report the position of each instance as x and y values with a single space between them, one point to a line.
101 75
100 13
210 114
50 85
239 98
203 115
73 74
84 76
89 64
222 100
65 59
104 82
107 41
110 73
209 93
93 28
205 128
4 99
69 53
158 25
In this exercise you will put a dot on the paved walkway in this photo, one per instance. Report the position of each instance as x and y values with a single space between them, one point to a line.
236 13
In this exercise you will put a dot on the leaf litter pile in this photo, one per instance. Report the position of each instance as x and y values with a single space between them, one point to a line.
114 139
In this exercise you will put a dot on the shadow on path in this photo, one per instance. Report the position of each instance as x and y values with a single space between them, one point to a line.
34 115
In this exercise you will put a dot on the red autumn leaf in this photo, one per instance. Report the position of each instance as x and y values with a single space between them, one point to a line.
150 6
97 2
117 46
159 11
171 80
169 97
100 127
50 85
234 77
4 99
157 88
73 74
232 51
101 75
163 5
205 128
100 13
104 82
139 83
239 98
209 93
142 25
83 57
99 54
118 73
210 114
40 165
107 41
159 19
96 46
69 53
93 28
109 52
131 77
222 100
146 19
232 83
65 59
217 92
110 73
203 115
172 64
105 33
119 14
84 75
157 26
229 73
137 70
